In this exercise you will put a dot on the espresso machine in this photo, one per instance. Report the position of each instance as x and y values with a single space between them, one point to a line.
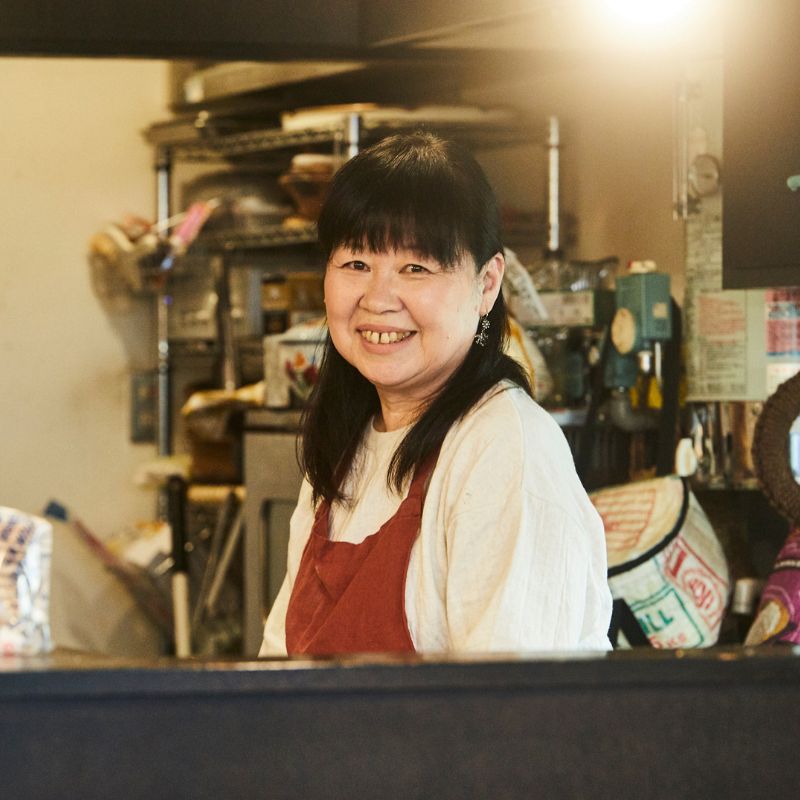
642 367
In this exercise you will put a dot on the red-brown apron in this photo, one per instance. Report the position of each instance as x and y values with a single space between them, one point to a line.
350 598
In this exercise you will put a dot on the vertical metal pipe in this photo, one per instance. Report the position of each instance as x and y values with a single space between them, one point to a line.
553 146
164 299
657 362
225 333
353 135
680 158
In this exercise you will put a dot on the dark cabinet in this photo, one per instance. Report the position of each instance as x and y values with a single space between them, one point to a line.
761 143
659 724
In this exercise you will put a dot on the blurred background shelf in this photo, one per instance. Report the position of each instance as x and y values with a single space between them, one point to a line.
266 237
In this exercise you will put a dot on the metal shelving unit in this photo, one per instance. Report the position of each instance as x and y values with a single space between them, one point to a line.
203 139
199 142
213 147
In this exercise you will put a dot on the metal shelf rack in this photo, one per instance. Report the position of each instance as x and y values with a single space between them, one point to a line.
183 140
204 139
270 236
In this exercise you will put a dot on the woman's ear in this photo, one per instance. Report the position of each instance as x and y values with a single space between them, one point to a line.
491 279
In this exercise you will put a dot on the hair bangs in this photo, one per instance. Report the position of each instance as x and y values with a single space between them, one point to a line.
393 203
383 226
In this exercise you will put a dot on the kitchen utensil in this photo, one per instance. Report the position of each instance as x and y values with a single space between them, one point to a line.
249 199
234 535
176 512
224 517
307 181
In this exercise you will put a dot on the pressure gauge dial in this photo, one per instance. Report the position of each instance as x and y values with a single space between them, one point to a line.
704 177
623 331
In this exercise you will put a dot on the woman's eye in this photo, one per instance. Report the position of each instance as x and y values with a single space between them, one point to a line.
416 269
359 266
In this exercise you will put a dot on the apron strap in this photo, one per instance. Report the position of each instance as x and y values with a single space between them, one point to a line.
623 619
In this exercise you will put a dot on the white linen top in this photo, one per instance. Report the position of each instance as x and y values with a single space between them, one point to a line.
511 552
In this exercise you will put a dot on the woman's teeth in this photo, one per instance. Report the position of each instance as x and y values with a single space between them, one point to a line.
385 338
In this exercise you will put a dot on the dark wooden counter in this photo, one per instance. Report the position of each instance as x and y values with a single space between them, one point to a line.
718 723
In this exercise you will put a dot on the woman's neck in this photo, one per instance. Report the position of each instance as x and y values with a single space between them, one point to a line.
395 415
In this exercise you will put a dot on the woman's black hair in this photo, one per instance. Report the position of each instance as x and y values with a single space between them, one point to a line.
419 192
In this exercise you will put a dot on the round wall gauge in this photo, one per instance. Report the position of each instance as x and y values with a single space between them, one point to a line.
623 331
704 176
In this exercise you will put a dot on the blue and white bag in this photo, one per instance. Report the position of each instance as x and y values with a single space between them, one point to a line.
666 568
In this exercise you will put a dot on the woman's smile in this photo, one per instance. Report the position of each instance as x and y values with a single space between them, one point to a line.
384 337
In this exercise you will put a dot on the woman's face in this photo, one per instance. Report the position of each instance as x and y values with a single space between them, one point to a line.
403 321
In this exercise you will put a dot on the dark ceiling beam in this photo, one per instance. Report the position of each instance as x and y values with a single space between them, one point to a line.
417 21
235 30
199 29
378 33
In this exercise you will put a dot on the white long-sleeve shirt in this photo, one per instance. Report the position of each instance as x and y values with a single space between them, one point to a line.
511 553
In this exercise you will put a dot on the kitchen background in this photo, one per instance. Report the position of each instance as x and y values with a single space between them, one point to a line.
73 157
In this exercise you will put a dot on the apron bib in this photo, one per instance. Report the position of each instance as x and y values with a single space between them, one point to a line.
350 598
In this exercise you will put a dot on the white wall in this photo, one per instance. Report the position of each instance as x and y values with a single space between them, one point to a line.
71 158
616 157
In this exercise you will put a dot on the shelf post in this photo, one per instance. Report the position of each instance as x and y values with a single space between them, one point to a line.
164 299
352 135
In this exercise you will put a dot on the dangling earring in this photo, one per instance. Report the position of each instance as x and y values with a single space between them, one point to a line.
482 337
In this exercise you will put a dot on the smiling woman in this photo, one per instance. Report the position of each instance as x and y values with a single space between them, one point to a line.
405 326
441 511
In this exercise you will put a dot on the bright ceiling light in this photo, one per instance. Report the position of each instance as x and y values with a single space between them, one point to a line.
647 13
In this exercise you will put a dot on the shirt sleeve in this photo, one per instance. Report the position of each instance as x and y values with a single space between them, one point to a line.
526 566
274 641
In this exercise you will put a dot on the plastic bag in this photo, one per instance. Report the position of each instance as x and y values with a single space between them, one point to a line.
26 544
778 615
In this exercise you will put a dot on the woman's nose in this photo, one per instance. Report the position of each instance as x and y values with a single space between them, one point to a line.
380 293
